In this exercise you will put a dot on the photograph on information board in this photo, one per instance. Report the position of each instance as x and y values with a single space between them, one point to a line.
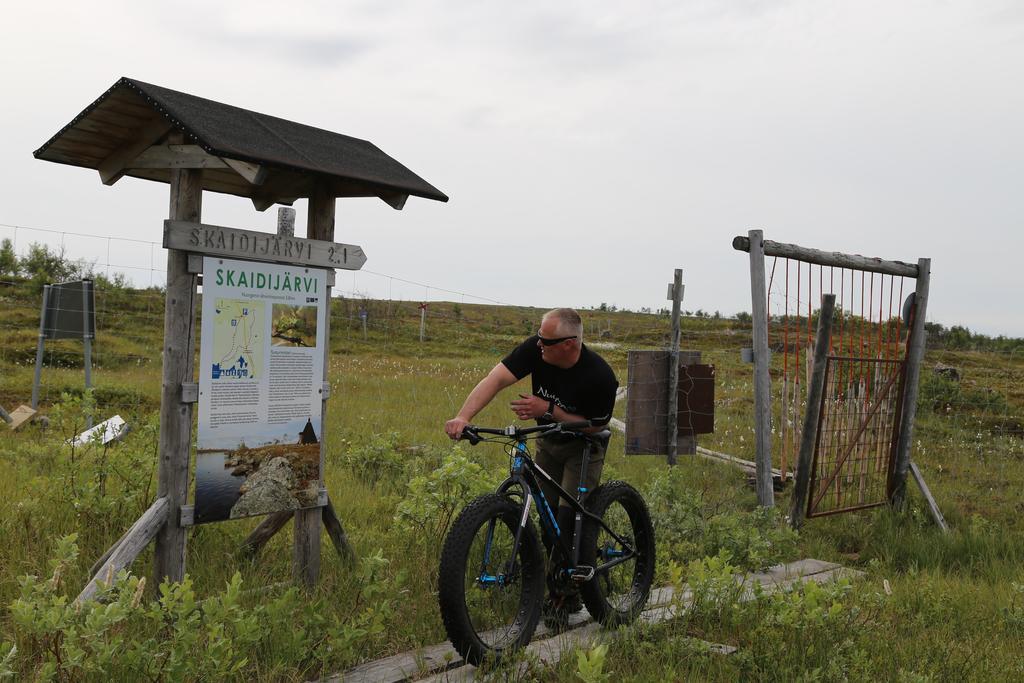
261 373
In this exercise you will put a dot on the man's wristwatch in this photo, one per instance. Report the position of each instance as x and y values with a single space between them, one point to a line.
550 414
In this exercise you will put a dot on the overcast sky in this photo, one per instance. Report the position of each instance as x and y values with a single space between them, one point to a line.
589 148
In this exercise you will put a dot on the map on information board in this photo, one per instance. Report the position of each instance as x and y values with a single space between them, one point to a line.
260 388
238 340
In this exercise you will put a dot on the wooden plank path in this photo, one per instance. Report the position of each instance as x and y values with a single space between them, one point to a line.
440 662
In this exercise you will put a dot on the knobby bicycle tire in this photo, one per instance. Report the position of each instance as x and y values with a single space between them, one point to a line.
618 595
464 599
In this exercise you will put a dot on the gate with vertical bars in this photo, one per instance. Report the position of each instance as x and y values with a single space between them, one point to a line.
857 434
864 430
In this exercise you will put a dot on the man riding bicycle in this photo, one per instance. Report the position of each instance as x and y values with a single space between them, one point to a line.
570 383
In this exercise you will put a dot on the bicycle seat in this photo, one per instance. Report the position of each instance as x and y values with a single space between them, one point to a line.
599 437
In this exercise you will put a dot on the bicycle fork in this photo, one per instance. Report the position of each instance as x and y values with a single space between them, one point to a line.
503 579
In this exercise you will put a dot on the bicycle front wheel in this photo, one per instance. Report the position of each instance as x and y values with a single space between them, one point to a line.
623 571
490 601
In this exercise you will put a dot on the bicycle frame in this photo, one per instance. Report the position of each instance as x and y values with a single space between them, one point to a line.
527 475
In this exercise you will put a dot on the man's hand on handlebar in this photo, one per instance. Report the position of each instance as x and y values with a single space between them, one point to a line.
453 427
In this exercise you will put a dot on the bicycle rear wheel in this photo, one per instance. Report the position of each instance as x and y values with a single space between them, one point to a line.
620 587
490 601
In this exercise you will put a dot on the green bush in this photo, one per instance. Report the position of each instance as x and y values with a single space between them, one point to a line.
42 266
688 527
943 395
1013 613
378 462
8 260
176 637
120 636
809 632
432 500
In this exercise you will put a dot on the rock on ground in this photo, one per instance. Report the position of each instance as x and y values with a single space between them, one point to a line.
267 490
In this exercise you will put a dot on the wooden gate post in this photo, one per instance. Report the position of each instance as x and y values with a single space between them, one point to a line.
915 356
179 350
762 380
672 423
811 422
306 550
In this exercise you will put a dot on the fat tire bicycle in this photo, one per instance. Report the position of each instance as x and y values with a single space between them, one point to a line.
493 567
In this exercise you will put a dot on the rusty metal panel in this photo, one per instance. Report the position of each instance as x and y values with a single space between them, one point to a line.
647 402
856 436
696 399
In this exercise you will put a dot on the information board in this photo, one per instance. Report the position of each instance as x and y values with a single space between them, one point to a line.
260 388
69 311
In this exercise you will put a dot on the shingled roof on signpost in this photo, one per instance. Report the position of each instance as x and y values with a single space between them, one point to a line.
245 153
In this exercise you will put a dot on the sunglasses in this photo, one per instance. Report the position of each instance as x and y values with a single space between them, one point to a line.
555 340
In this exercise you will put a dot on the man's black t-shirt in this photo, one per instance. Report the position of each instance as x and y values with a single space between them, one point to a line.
587 388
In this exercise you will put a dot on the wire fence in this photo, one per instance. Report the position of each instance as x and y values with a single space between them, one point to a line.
141 264
971 407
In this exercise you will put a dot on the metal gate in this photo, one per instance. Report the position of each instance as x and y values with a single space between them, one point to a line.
858 429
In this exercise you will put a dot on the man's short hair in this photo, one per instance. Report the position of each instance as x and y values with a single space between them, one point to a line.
569 322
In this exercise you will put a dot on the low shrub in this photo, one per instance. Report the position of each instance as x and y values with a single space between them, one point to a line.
689 526
432 500
176 637
377 462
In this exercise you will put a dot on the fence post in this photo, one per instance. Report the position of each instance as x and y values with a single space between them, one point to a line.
672 423
39 348
87 314
915 356
762 380
186 204
813 413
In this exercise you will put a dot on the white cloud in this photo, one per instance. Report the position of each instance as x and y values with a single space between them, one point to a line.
588 147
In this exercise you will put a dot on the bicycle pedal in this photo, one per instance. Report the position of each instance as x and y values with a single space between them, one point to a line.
582 573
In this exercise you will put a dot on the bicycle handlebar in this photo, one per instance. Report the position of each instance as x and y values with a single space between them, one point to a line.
471 433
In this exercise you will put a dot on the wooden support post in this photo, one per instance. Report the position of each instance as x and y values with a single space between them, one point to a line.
306 550
933 506
186 204
672 423
124 552
270 525
94 569
811 415
276 521
337 533
762 380
915 357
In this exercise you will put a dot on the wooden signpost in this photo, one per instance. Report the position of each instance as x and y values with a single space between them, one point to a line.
215 240
195 145
195 238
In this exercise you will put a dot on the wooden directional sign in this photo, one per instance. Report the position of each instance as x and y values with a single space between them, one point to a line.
215 240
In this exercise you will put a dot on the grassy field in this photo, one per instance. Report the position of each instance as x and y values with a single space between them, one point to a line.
931 607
